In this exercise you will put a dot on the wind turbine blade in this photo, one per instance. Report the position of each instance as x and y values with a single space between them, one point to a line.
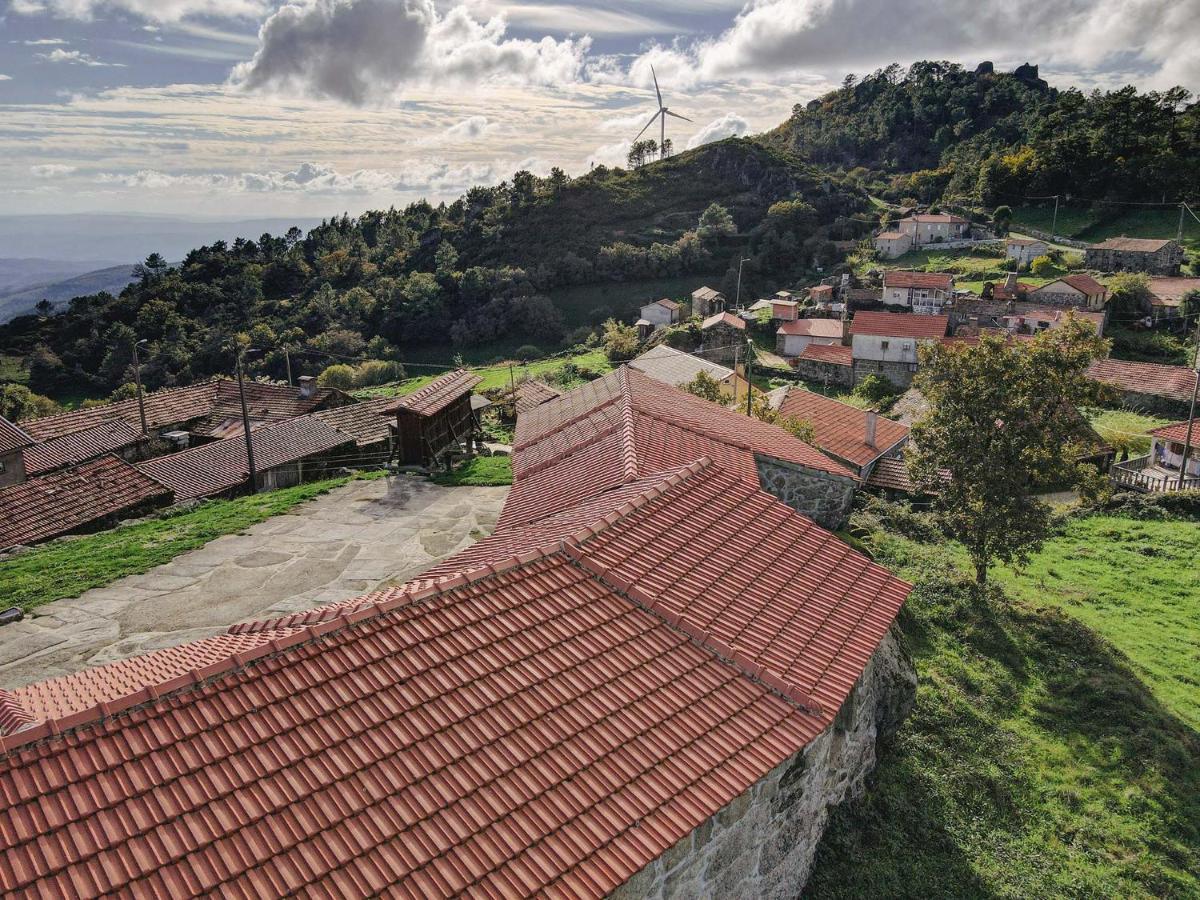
656 90
676 115
648 124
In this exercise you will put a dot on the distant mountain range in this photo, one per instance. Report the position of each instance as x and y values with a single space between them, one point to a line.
19 295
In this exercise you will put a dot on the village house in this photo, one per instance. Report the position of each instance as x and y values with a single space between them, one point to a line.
892 244
831 365
364 422
1124 254
856 437
1010 289
934 228
679 369
1166 296
723 338
533 392
13 444
1160 469
1079 290
924 293
661 313
886 344
1025 318
792 337
1025 250
435 422
784 310
1146 387
706 302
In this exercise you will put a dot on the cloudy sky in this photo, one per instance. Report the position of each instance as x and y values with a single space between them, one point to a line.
313 107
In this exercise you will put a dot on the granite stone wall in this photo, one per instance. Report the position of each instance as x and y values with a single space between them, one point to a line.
824 373
824 498
898 373
763 843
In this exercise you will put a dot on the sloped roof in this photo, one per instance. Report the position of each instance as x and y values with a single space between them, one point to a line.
935 218
705 293
436 395
674 367
1178 432
62 502
1171 291
841 428
546 722
212 468
1085 284
13 437
891 473
900 325
723 318
533 393
666 303
80 446
939 281
825 328
890 235
1153 379
264 403
832 354
361 420
1139 245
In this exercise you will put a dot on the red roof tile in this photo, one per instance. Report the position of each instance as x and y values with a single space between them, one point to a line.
64 501
80 446
833 354
826 328
213 468
928 280
944 218
1153 379
436 395
841 428
1178 432
891 473
533 393
1138 245
1085 283
900 325
723 318
361 420
13 437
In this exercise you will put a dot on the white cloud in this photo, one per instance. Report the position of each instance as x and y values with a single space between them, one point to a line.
151 10
51 170
43 42
364 51
729 125
76 57
469 129
4 77
610 155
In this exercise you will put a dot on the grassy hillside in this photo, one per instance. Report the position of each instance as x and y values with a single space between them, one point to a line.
18 303
1041 760
1091 225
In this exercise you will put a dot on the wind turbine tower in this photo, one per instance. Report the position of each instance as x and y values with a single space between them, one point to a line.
661 114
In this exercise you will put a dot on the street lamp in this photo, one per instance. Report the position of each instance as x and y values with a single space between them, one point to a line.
238 354
738 301
137 377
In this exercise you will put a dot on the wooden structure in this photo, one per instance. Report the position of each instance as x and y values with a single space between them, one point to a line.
435 421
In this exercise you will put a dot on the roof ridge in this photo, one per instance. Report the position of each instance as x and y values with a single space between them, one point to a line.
566 423
568 452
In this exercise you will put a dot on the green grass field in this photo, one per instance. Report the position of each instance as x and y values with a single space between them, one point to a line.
1123 429
68 568
479 471
495 377
1083 224
11 369
1041 760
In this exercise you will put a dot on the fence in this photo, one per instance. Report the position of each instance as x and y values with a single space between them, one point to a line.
1139 475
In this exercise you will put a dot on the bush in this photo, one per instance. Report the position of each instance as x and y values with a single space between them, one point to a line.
1042 267
1173 505
339 375
620 341
873 514
526 352
378 371
876 389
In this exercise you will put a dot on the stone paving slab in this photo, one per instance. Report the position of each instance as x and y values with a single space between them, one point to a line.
359 537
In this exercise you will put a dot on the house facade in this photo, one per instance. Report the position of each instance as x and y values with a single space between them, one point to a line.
661 313
785 310
1166 296
891 244
723 336
13 443
792 337
1164 468
706 301
1081 291
1124 254
934 228
886 344
922 292
1025 250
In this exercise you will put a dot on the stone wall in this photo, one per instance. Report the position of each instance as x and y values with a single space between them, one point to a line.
764 842
898 373
822 497
824 373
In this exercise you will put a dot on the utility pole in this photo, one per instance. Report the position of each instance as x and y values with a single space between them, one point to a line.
1187 444
1054 224
749 383
246 420
287 356
1179 231
137 377
738 301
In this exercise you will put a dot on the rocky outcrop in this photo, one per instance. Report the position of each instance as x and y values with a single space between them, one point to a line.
764 842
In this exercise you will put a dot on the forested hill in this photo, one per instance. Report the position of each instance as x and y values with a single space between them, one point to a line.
468 273
938 131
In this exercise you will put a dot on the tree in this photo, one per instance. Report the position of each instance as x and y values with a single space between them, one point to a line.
716 222
1042 267
1002 422
705 387
339 375
150 270
1129 294
1002 219
17 402
620 341
1189 305
44 307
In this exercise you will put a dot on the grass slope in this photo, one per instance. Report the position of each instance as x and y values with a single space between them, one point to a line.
1037 762
1123 429
68 568
496 377
1085 224
479 471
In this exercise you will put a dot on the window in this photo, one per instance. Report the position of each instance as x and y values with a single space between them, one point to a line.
3 467
883 345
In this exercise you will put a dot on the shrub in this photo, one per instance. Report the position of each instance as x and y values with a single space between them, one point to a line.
378 371
1172 505
1042 267
527 352
339 375
620 341
875 388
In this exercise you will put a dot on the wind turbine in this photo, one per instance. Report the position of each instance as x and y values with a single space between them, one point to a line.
661 115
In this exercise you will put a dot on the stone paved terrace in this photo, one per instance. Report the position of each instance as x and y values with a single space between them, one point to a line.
344 543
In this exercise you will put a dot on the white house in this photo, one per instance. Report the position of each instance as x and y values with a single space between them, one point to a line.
934 228
1025 250
886 344
792 337
922 292
890 244
661 313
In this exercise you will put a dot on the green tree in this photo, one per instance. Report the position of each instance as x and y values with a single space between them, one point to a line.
716 223
1129 293
620 341
705 387
339 375
996 423
1189 306
1002 219
17 402
1042 267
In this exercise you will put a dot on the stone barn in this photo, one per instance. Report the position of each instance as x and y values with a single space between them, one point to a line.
723 338
436 420
1124 254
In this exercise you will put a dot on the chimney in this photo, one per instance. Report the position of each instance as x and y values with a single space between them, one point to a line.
872 419
308 387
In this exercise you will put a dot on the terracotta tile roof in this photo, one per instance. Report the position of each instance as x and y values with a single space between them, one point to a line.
832 354
841 428
890 235
1139 245
1153 379
705 293
891 473
935 218
13 437
927 280
1177 432
900 325
533 393
671 366
820 289
436 395
723 318
668 304
62 502
1085 283
213 468
264 403
1171 291
360 420
825 328
80 446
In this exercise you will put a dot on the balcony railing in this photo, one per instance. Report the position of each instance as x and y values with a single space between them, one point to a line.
1140 474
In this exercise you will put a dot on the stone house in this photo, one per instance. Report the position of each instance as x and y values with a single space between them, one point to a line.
1124 254
1166 296
934 228
1146 387
922 292
661 313
706 301
1025 250
13 443
1078 290
723 338
855 437
891 244
828 364
785 310
792 337
886 344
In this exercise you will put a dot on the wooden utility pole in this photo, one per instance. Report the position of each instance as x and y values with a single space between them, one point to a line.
287 356
246 422
137 377
1187 444
1054 223
749 383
